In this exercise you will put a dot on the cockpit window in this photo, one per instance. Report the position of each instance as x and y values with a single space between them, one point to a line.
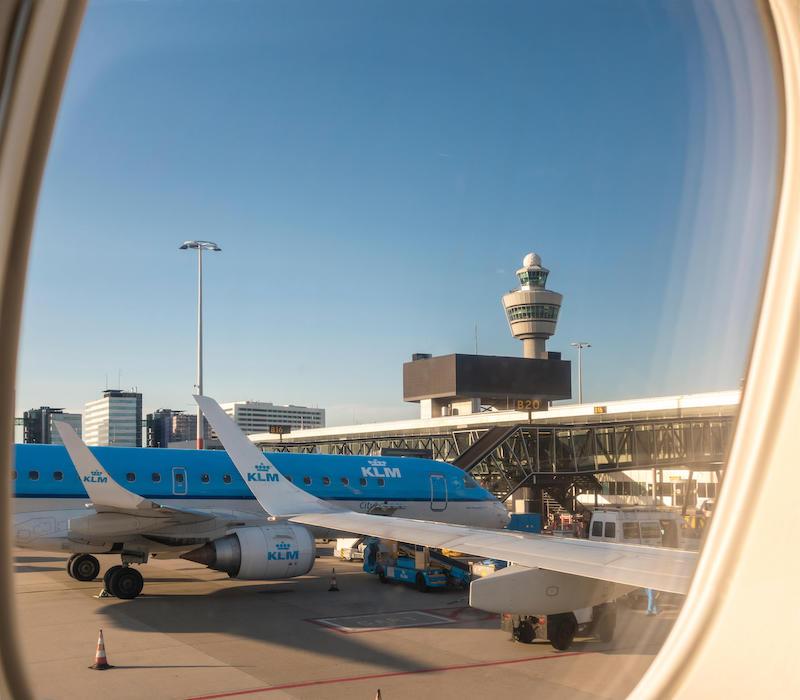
469 482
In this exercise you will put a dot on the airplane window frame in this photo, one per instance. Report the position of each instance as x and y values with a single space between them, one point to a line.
666 675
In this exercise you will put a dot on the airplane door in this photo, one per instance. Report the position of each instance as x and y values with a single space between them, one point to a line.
438 492
179 481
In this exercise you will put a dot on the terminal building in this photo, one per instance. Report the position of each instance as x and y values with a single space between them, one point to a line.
493 417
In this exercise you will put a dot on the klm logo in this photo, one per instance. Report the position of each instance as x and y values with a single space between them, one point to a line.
262 473
378 468
96 477
283 553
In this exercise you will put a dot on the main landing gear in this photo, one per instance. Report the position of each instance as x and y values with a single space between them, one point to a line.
121 581
83 567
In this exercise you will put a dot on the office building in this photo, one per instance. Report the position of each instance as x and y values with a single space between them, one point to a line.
38 428
259 416
167 425
115 419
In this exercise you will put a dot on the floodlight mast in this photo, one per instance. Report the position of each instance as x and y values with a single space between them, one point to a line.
580 345
200 246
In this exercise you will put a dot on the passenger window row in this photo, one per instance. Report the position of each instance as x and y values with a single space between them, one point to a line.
326 481
33 475
179 478
58 475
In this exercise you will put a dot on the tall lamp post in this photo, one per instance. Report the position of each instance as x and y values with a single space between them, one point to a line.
200 246
580 345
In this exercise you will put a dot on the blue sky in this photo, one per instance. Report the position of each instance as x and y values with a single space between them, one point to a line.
374 173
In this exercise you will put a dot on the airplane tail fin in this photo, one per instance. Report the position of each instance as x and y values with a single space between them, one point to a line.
276 495
101 487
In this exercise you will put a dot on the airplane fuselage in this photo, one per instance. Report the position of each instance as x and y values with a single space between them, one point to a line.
51 510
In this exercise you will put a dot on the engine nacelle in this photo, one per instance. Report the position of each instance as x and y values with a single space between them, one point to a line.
265 553
525 591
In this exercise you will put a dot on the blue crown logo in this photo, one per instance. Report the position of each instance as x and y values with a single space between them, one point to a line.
283 545
96 472
262 467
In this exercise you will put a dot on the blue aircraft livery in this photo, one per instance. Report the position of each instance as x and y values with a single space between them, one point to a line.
46 471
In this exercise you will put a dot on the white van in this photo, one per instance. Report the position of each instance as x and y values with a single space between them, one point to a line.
636 525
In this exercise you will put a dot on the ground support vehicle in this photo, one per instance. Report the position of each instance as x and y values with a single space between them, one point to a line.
560 630
420 566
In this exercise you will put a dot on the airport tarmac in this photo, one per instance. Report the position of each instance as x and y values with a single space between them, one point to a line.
195 633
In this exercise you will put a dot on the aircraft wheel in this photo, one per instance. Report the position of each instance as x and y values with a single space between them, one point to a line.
561 630
422 585
69 565
606 622
108 575
526 632
126 583
85 567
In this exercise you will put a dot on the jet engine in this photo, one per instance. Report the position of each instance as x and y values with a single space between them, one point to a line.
280 550
525 591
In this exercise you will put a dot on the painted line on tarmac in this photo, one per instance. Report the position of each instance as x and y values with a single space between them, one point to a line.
389 674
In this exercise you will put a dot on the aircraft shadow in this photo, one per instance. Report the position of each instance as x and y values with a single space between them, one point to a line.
288 619
33 560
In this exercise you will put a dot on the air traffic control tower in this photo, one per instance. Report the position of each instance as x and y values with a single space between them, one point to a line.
532 310
461 384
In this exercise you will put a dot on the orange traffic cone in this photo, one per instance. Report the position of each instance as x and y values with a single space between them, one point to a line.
100 660
333 587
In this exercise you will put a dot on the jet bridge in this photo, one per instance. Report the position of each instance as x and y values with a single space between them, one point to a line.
560 452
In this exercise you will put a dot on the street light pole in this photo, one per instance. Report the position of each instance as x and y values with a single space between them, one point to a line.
580 345
200 246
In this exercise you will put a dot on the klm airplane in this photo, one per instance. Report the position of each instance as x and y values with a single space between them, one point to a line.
166 503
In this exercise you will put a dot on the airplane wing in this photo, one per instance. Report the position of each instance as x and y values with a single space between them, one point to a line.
109 496
634 565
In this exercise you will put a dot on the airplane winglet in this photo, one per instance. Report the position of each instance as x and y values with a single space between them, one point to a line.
274 493
101 487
